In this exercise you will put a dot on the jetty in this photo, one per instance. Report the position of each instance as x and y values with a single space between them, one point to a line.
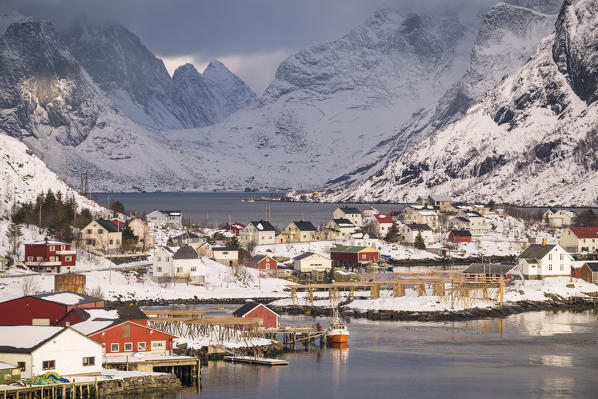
256 360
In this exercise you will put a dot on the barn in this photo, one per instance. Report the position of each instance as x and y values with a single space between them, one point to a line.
119 314
264 262
44 309
258 310
351 257
459 236
589 272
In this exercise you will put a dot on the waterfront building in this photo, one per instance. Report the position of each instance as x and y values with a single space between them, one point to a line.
44 309
178 264
542 260
588 272
459 236
309 261
39 349
256 310
50 256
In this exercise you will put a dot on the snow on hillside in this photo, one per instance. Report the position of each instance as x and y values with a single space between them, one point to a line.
531 140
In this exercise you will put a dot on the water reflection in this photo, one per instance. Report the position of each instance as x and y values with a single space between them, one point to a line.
552 360
339 355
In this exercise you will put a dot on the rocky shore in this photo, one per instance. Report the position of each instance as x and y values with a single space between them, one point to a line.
188 301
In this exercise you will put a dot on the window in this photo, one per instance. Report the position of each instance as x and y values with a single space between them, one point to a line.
562 256
21 366
114 348
363 256
62 247
89 361
157 259
111 242
140 346
88 231
550 267
67 258
100 231
159 269
549 256
128 347
52 248
52 259
126 330
562 267
193 268
30 259
48 364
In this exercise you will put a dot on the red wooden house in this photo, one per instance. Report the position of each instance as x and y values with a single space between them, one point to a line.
44 309
352 257
264 262
234 228
50 256
257 310
459 236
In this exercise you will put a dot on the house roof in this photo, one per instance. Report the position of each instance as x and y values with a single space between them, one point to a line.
216 249
186 252
113 325
593 266
46 242
489 268
260 257
343 222
585 232
536 251
306 255
248 307
304 225
348 250
383 218
349 210
461 233
419 227
462 219
99 319
185 236
263 225
66 298
440 197
25 339
473 214
108 225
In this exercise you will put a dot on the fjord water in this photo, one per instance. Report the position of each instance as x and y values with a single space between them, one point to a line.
530 355
219 206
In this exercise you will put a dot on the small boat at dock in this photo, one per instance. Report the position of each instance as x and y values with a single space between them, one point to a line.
337 333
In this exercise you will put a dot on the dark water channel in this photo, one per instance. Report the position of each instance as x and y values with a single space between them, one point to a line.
530 355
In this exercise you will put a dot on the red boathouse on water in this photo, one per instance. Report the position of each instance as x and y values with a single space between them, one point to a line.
257 310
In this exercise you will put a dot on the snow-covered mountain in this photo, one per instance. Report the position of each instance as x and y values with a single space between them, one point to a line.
532 139
137 82
509 35
329 103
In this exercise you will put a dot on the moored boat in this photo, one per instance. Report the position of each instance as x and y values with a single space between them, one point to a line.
337 333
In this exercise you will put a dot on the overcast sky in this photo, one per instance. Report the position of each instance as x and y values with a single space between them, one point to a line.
251 37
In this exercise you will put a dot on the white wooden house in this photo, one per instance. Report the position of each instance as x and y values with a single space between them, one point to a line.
259 232
348 212
558 217
162 217
309 261
542 260
409 232
178 264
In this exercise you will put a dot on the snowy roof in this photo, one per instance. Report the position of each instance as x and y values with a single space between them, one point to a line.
462 219
46 242
427 213
306 255
383 218
474 214
585 232
98 319
440 197
349 210
263 225
25 339
67 298
593 266
184 236
217 249
343 222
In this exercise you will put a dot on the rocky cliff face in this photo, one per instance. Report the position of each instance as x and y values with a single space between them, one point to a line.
531 140
137 82
508 36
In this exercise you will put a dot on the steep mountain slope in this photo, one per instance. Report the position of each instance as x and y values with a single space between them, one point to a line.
139 85
509 35
339 98
531 140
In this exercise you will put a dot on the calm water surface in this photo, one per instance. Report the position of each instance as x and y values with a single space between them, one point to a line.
531 355
219 206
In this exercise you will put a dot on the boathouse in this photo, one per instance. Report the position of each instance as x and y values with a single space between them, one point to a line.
258 310
44 309
589 272
459 236
353 257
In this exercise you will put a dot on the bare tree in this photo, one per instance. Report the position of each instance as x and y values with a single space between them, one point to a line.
29 285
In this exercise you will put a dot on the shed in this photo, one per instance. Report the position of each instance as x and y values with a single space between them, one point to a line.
490 269
258 310
459 236
356 256
589 272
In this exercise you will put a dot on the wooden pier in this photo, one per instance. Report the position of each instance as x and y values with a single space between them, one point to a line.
256 360
71 390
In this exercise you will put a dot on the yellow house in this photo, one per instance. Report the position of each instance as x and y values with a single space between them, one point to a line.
300 231
102 235
338 229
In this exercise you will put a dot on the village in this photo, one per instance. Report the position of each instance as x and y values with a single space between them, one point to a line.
97 294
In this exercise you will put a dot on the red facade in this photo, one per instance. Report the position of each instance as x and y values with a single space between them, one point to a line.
362 256
267 264
234 228
269 318
131 333
585 273
22 311
50 256
117 222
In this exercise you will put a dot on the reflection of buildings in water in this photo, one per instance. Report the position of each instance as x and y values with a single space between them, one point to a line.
490 325
552 360
545 324
339 354
556 387
238 376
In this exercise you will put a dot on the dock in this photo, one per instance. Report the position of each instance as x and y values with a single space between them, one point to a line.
256 360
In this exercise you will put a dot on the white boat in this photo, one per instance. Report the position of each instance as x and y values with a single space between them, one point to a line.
337 333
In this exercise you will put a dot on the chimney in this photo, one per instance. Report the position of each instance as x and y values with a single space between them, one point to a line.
68 323
543 242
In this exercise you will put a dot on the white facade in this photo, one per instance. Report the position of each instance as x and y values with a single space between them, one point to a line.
407 235
66 353
258 234
165 266
361 240
159 218
587 242
555 262
477 222
558 218
344 213
312 262
226 256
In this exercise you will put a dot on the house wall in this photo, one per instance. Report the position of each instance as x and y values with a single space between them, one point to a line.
193 269
314 262
555 263
137 334
142 231
269 319
162 264
227 258
585 273
382 228
68 350
14 359
354 218
60 258
570 242
21 311
96 237
293 234
267 264
251 233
